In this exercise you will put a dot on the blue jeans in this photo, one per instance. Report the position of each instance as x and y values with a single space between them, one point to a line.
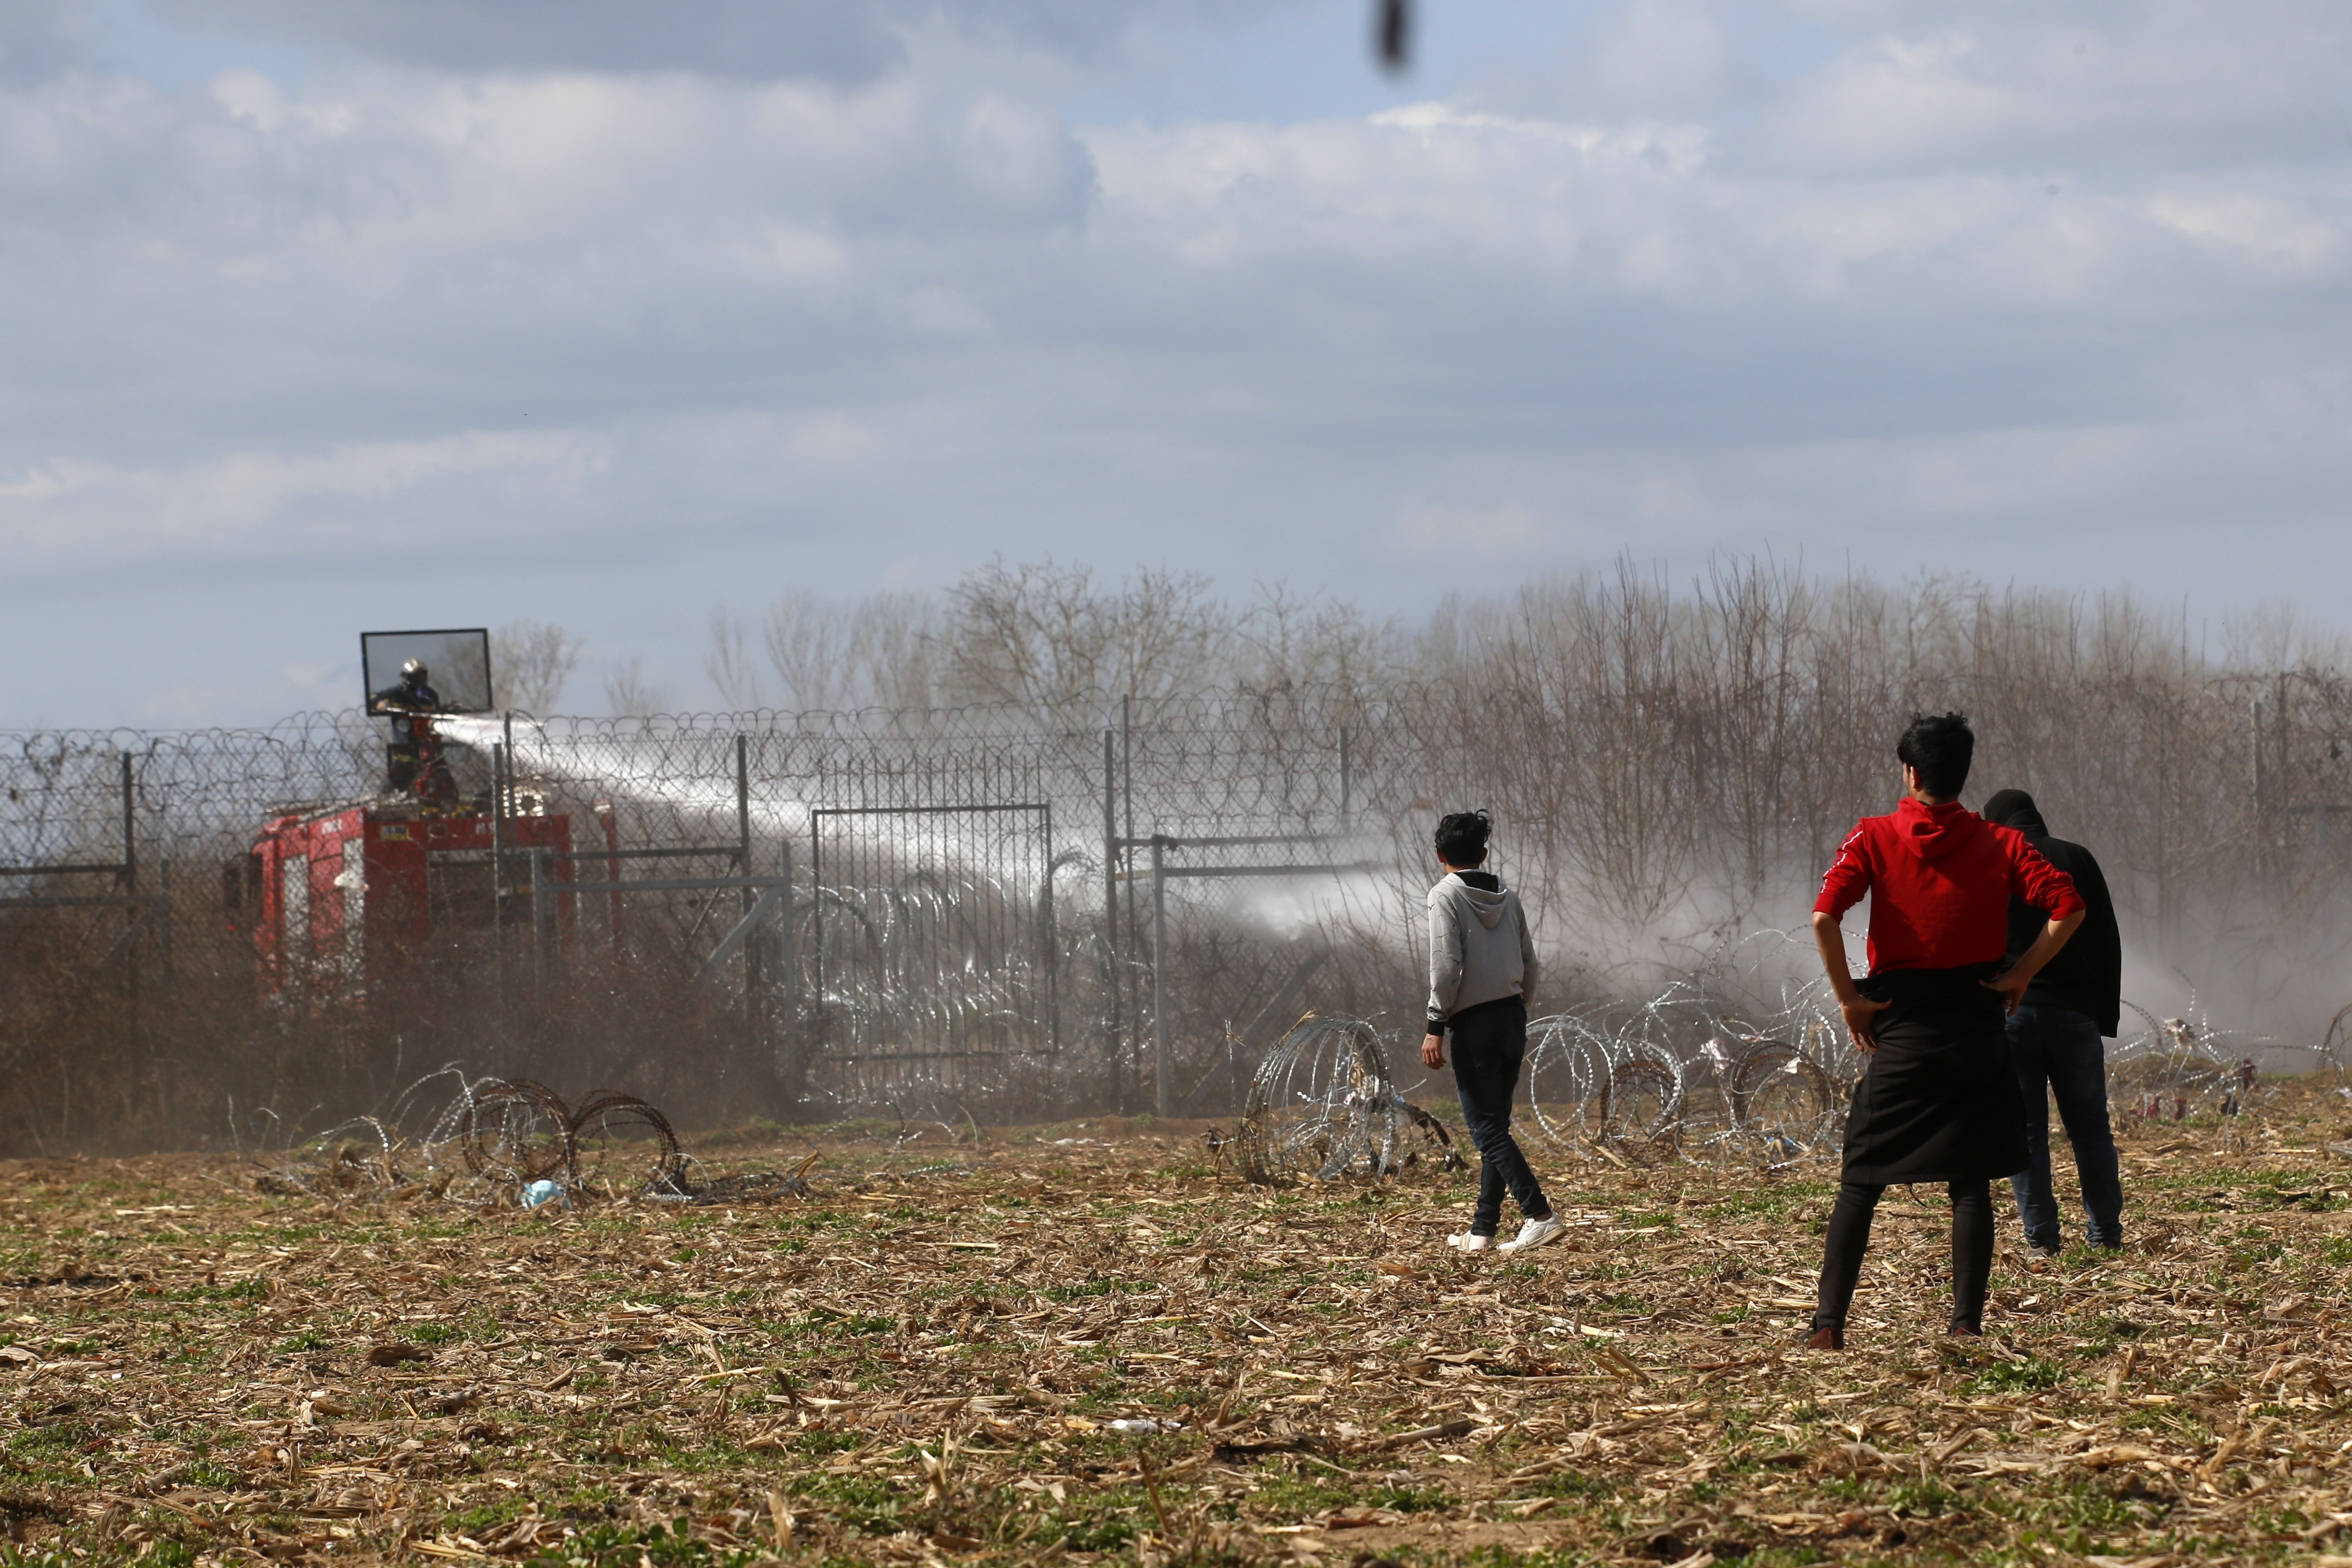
2057 1052
1490 1041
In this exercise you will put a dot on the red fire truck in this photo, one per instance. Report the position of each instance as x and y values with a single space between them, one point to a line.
341 899
347 897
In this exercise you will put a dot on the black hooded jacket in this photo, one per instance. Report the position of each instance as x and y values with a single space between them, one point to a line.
2087 975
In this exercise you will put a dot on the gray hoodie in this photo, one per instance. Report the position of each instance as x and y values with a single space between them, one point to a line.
1479 946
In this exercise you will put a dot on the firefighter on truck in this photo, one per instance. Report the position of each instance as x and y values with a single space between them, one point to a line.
413 762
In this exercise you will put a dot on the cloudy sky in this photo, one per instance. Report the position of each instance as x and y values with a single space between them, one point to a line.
324 314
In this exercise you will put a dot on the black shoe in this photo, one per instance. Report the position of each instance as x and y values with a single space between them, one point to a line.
1829 1338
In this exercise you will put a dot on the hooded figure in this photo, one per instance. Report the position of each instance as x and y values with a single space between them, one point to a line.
1482 964
2053 1040
2087 975
1479 946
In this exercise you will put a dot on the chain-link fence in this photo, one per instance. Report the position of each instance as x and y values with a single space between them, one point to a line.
1104 904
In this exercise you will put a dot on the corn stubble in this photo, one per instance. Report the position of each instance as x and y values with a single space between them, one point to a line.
1084 1343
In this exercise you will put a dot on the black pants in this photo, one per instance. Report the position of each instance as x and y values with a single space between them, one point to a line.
1849 1237
1490 1041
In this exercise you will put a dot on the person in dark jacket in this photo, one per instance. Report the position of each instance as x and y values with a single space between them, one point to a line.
2054 1039
412 762
1938 1101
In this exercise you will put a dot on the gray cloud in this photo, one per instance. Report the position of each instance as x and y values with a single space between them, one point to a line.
831 40
40 38
781 38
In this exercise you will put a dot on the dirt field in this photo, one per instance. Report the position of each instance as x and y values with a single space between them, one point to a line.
927 1358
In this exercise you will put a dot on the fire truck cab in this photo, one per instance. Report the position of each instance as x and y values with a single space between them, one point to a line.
344 898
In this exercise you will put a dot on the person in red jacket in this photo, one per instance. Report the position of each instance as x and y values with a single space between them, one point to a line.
1938 1100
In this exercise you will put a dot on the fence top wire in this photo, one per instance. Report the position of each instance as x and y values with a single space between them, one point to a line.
1649 791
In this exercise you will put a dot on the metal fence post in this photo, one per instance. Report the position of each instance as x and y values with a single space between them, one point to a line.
130 830
1050 936
1127 794
1110 922
1159 968
134 913
497 841
542 919
788 963
168 970
754 1004
500 760
2263 855
2282 782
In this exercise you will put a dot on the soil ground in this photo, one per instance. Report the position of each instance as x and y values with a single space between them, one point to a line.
927 1357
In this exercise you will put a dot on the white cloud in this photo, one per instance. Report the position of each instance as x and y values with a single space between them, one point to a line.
74 516
2153 84
1664 53
866 295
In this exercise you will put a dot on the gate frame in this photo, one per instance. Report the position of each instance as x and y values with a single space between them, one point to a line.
1048 937
144 908
1163 873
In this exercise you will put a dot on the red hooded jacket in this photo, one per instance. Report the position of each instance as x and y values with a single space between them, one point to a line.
1939 880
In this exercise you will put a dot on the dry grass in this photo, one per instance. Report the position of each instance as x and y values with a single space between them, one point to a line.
918 1364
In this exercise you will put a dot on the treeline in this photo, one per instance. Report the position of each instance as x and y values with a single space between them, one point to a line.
1047 638
1700 750
1671 764
1680 757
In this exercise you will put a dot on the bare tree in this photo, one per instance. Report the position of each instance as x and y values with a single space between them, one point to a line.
1286 641
628 694
808 645
1042 634
530 661
878 652
895 649
728 663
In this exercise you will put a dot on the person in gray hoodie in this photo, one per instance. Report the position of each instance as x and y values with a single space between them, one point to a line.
1482 964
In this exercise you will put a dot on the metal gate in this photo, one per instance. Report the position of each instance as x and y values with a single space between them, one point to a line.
932 951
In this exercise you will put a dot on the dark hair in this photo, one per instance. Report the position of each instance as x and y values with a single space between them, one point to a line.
1462 837
1941 746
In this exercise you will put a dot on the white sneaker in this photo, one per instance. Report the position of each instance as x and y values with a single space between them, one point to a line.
1468 1242
1535 1232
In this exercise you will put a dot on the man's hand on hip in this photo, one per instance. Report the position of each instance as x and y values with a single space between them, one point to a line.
2013 982
1862 1020
2010 987
1433 1051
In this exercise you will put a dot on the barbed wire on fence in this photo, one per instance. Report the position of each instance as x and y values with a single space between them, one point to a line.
1732 1058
